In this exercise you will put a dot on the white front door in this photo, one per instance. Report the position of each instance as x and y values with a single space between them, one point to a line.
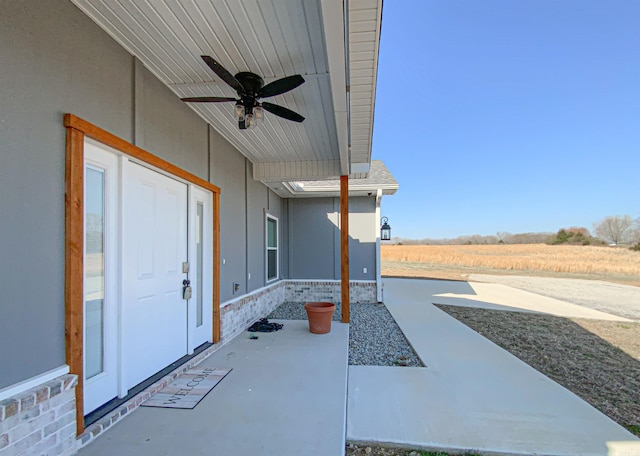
154 314
140 227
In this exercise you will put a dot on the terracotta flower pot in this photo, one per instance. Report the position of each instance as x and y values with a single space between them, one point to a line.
320 315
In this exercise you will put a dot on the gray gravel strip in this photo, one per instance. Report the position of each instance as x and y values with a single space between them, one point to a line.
374 337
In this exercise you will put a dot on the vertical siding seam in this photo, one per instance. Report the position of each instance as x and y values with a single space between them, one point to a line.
138 105
134 103
246 227
336 237
209 152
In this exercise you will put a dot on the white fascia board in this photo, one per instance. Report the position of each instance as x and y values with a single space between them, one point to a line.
291 171
332 189
376 55
333 22
342 124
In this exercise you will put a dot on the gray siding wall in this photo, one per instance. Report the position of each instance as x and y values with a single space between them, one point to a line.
362 238
54 60
168 128
227 171
313 230
244 203
257 202
312 233
260 202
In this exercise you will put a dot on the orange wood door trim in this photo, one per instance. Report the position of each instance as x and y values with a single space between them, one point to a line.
103 136
77 130
74 266
344 248
216 267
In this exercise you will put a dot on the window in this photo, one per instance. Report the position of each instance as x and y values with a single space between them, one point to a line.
94 274
272 248
199 262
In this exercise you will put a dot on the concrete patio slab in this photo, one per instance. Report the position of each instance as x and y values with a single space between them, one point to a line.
286 395
472 395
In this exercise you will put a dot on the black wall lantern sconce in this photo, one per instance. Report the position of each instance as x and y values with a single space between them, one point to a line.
385 230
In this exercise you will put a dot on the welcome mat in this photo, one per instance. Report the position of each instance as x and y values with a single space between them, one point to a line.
188 389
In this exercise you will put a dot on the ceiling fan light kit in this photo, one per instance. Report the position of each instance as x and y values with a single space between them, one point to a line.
249 112
258 114
251 117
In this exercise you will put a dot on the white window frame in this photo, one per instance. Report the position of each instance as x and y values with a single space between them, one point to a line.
267 248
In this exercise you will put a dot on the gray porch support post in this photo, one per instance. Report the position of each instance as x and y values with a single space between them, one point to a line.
344 247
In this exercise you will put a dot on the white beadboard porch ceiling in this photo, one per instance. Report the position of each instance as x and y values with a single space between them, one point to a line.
272 38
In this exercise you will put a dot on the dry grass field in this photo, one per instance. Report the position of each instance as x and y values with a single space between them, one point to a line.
457 261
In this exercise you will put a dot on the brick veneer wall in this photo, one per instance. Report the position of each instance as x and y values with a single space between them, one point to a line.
41 420
237 315
330 291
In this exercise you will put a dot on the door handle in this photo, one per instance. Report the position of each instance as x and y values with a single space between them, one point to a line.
186 290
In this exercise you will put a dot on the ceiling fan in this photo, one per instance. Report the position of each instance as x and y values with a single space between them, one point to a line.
250 88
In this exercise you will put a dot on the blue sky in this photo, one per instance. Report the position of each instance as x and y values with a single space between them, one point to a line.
508 115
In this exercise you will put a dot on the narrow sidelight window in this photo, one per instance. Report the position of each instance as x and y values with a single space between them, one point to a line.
199 261
94 271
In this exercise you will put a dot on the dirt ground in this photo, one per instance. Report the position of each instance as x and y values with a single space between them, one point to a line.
597 360
355 450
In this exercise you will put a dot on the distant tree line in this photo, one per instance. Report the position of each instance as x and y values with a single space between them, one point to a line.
477 239
612 230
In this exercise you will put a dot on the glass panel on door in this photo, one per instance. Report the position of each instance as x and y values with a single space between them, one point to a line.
94 272
199 261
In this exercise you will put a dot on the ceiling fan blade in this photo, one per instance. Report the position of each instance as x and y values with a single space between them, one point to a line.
281 86
223 73
282 112
207 99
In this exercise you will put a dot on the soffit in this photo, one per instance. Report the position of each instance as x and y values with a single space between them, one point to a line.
365 18
274 39
271 38
379 178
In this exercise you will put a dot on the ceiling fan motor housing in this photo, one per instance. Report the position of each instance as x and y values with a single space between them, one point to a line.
251 82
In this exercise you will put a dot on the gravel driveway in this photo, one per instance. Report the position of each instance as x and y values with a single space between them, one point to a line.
613 298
